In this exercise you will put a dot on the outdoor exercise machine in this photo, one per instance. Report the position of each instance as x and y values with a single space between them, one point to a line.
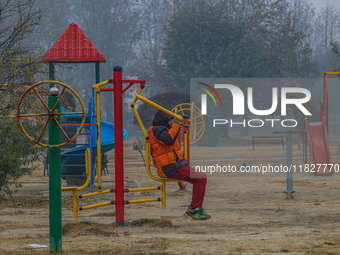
119 190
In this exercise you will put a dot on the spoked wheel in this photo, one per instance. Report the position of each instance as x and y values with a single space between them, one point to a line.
46 114
196 120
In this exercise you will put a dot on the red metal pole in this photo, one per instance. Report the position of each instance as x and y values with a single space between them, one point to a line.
119 158
187 129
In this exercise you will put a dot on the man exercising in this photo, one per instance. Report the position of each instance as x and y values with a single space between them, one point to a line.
169 160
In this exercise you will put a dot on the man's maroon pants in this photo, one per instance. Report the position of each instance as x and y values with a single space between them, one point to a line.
199 181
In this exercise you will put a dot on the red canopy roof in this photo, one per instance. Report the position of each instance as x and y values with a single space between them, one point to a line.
73 46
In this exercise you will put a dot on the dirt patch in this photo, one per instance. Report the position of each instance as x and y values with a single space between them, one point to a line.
250 214
104 214
84 228
178 193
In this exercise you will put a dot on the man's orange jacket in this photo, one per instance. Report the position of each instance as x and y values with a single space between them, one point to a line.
165 148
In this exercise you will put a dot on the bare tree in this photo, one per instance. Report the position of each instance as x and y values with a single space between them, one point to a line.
18 62
336 50
326 33
18 65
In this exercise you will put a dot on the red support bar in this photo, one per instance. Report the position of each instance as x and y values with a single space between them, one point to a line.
127 87
119 157
134 81
77 125
106 89
305 146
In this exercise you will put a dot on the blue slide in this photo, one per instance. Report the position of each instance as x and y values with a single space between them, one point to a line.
73 160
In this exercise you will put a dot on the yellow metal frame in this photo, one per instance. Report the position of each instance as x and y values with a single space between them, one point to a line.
76 189
163 181
147 142
99 145
77 208
332 72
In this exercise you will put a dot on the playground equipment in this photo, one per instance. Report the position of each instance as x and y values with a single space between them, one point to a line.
52 115
74 46
317 134
73 160
197 124
55 129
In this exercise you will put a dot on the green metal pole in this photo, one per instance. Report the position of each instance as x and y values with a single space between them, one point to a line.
51 73
54 177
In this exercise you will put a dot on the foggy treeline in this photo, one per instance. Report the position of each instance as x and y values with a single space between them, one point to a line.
166 42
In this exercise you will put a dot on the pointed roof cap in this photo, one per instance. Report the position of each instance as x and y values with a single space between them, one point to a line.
73 46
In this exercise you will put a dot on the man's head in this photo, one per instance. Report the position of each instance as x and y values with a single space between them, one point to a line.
162 119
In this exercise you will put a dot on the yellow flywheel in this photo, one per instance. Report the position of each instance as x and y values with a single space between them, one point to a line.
42 91
196 120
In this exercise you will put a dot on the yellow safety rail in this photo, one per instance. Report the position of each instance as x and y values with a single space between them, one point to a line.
193 119
99 147
76 189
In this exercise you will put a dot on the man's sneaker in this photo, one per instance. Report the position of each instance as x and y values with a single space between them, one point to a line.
196 214
205 214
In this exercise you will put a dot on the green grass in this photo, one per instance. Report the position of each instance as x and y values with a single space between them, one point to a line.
152 223
141 222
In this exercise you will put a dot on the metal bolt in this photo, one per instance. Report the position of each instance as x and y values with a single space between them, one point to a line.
54 91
